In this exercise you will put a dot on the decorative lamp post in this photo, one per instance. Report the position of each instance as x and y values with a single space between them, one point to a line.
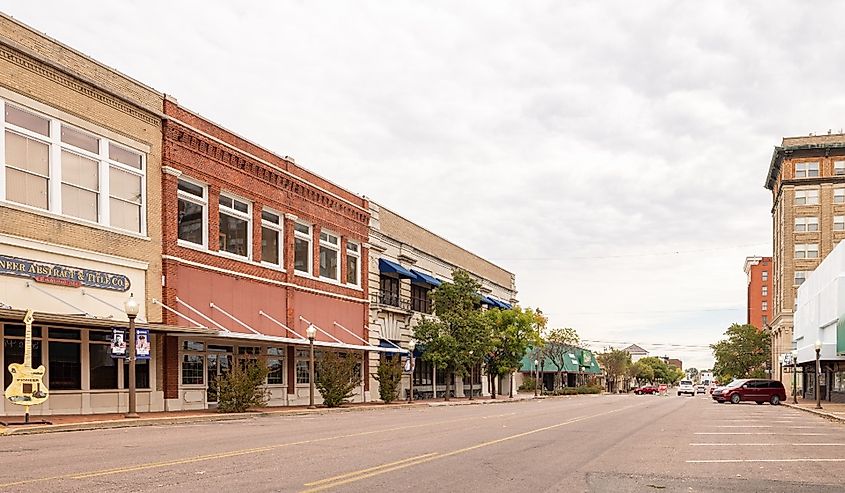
818 374
412 344
536 376
471 375
311 333
794 377
131 308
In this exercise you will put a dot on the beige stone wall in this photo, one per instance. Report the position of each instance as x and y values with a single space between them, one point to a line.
43 71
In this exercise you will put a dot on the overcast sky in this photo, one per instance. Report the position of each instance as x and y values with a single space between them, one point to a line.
611 155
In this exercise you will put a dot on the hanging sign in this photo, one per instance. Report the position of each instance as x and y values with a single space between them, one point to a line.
74 277
142 344
118 343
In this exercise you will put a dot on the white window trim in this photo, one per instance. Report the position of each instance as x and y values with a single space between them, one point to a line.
334 247
839 168
806 222
805 168
807 194
189 197
309 237
54 183
357 257
280 228
840 221
805 248
246 216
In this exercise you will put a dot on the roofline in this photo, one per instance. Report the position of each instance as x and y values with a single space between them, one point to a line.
779 151
77 52
442 238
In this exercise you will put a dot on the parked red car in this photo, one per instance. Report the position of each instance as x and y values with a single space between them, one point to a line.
757 390
645 389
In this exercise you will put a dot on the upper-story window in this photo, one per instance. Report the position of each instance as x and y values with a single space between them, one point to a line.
193 212
765 306
800 277
806 224
839 223
807 250
807 169
271 237
235 225
765 275
329 255
765 291
806 197
839 167
302 247
839 195
353 263
53 166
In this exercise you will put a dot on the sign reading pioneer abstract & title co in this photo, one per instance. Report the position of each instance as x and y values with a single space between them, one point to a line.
63 275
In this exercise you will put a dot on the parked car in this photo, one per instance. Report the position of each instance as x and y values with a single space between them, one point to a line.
686 387
645 389
757 390
700 389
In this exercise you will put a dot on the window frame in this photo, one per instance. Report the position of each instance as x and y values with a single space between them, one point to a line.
804 169
334 247
55 148
244 216
841 221
806 194
309 238
805 222
202 202
838 168
805 249
839 193
280 244
356 254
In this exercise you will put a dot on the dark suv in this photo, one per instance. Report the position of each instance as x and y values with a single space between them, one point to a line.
757 390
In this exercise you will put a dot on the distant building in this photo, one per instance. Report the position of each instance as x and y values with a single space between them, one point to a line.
676 363
758 271
807 179
637 353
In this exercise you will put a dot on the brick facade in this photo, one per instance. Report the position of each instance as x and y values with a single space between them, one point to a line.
758 271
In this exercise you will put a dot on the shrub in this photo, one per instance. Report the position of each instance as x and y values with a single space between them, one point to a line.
584 389
337 378
242 387
389 378
528 384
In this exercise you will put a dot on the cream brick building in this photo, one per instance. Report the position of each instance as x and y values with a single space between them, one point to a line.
807 180
406 260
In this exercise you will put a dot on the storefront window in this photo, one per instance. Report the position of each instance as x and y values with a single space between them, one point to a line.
192 369
276 366
103 368
13 350
142 374
302 359
65 366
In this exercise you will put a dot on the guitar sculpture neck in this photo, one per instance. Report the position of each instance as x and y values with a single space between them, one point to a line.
27 352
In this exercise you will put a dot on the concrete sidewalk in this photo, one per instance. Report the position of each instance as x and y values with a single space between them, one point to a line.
831 410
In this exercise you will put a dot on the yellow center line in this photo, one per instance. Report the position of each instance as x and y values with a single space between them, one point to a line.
235 453
385 468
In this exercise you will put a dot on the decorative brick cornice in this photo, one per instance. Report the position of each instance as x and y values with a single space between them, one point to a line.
86 89
197 143
167 170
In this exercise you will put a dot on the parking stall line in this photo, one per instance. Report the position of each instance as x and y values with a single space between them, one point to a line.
759 433
767 444
739 461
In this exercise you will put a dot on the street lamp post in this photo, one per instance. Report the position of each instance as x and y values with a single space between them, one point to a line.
818 374
131 308
471 375
536 376
311 333
412 344
794 377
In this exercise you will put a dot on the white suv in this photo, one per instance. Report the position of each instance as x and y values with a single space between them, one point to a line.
686 387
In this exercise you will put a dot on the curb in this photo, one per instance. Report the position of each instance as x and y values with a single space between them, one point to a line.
816 412
175 420
481 402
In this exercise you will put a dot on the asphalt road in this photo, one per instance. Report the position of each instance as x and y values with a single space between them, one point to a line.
582 443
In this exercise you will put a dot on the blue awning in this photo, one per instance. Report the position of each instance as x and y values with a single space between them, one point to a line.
394 268
488 301
425 278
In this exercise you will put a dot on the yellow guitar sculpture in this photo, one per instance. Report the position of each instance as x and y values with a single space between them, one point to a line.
27 387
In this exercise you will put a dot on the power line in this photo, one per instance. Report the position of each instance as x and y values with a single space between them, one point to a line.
733 309
651 254
656 344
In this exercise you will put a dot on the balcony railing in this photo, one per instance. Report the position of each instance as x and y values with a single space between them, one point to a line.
391 299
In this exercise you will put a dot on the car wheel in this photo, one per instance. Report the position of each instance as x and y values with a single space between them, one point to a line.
775 400
735 399
759 402
679 393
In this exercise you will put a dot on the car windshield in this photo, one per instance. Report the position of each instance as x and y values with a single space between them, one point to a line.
736 383
686 382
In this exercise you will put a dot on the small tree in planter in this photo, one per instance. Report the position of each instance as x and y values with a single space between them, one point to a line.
242 387
389 378
337 378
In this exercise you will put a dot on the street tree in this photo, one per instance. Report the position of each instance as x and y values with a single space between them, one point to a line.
693 374
615 363
641 372
512 332
742 354
557 344
661 370
458 327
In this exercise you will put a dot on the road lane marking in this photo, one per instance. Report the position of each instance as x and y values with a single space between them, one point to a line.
737 461
765 426
759 433
369 469
235 453
767 444
359 475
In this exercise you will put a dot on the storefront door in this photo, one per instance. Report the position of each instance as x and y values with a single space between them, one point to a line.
219 363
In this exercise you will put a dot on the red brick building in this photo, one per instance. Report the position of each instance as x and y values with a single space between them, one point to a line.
759 273
258 249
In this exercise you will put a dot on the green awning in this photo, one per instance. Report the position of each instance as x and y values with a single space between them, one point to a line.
573 360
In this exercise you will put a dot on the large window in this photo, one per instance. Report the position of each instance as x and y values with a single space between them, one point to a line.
839 223
806 224
193 216
235 226
353 263
839 195
389 294
271 237
329 253
800 277
420 301
65 359
276 365
14 347
806 250
807 197
302 248
807 169
839 167
193 362
102 368
302 368
101 182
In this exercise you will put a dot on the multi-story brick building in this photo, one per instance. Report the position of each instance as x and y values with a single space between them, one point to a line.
406 262
758 272
807 180
258 249
80 199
